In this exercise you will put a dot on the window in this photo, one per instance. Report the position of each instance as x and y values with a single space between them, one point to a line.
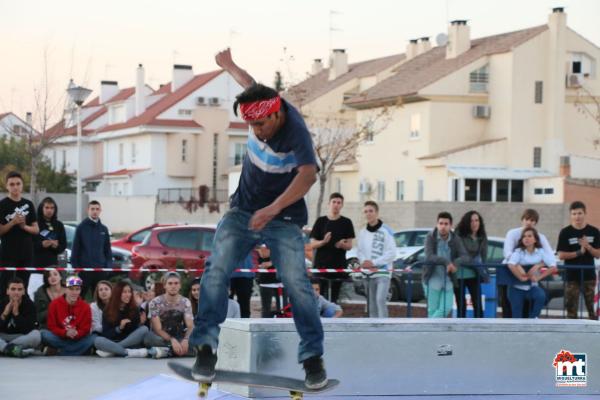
539 91
538 191
537 157
495 252
415 126
215 158
240 152
542 191
140 236
502 190
485 190
184 112
576 67
121 154
516 191
420 190
206 243
381 191
54 159
338 185
471 189
180 238
478 80
369 137
64 159
399 190
133 152
184 150
402 239
549 191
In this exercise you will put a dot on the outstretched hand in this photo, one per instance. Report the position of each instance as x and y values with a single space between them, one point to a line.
224 59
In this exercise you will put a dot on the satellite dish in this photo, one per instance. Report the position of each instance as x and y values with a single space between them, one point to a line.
441 39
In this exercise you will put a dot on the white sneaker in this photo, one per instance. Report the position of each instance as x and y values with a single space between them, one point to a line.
137 353
104 354
158 352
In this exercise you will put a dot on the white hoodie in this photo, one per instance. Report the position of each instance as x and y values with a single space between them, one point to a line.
379 247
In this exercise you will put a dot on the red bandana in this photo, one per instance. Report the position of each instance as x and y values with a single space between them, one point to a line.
260 109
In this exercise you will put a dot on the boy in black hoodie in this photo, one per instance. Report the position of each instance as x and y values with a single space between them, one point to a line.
52 239
18 336
91 248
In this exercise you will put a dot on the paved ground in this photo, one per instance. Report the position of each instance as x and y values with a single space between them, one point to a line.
83 378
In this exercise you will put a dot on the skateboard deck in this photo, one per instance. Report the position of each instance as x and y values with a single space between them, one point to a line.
294 386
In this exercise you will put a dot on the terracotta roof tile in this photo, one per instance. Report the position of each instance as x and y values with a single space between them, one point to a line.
431 66
320 84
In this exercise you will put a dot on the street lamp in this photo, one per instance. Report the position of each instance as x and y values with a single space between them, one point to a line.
78 94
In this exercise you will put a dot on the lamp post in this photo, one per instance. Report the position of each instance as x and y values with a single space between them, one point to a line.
78 94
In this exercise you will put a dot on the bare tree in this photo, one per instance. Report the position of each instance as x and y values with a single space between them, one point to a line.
337 138
589 105
37 135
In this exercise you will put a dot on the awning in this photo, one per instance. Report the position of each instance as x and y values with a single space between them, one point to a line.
491 172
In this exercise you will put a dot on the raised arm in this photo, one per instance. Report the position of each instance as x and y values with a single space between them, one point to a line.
225 61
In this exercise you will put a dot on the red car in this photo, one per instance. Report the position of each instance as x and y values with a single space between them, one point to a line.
135 238
175 246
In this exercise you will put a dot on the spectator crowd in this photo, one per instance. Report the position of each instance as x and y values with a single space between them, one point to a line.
123 320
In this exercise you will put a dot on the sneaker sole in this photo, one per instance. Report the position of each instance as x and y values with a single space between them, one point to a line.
203 378
317 386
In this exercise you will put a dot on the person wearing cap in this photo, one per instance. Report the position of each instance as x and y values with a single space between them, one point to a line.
171 321
69 322
268 207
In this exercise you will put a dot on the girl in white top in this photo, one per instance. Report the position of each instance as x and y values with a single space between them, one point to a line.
102 295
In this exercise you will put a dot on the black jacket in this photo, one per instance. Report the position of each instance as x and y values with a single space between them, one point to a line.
54 230
22 323
91 246
114 332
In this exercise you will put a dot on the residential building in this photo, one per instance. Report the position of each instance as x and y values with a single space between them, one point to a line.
12 125
138 141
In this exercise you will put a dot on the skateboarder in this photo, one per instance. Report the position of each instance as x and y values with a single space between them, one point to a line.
268 207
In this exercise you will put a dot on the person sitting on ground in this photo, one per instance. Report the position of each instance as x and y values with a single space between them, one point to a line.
233 308
101 298
18 336
171 320
526 264
326 308
122 332
443 252
69 323
52 288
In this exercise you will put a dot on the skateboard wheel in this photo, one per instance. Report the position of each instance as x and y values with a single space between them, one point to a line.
203 390
296 395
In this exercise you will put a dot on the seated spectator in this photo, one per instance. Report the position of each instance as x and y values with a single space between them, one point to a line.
526 264
51 289
69 323
122 331
171 320
443 251
101 298
18 336
326 308
233 308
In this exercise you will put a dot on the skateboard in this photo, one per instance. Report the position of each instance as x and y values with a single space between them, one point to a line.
294 386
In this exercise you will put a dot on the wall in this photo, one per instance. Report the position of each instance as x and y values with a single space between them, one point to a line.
176 213
126 214
585 167
66 203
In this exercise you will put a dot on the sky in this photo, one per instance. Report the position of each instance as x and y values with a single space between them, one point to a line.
106 40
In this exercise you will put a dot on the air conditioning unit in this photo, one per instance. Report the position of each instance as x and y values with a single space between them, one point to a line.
482 111
200 101
365 187
574 80
214 101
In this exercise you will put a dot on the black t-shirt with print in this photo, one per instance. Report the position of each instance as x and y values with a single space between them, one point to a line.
568 241
330 256
17 244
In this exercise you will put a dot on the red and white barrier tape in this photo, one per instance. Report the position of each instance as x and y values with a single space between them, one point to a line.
262 270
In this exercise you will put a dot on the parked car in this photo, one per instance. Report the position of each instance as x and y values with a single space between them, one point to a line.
181 246
408 271
136 237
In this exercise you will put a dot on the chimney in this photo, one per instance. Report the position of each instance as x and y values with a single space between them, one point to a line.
459 38
140 98
29 118
317 66
108 90
411 49
424 45
338 63
554 90
182 74
565 167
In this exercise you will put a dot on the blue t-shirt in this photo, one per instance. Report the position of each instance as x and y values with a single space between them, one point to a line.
269 167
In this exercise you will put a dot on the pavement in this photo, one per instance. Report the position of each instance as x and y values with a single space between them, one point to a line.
82 378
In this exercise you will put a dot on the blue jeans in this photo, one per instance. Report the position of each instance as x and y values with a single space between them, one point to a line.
232 243
535 295
68 347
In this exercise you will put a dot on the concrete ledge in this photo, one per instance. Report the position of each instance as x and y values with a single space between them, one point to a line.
388 357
